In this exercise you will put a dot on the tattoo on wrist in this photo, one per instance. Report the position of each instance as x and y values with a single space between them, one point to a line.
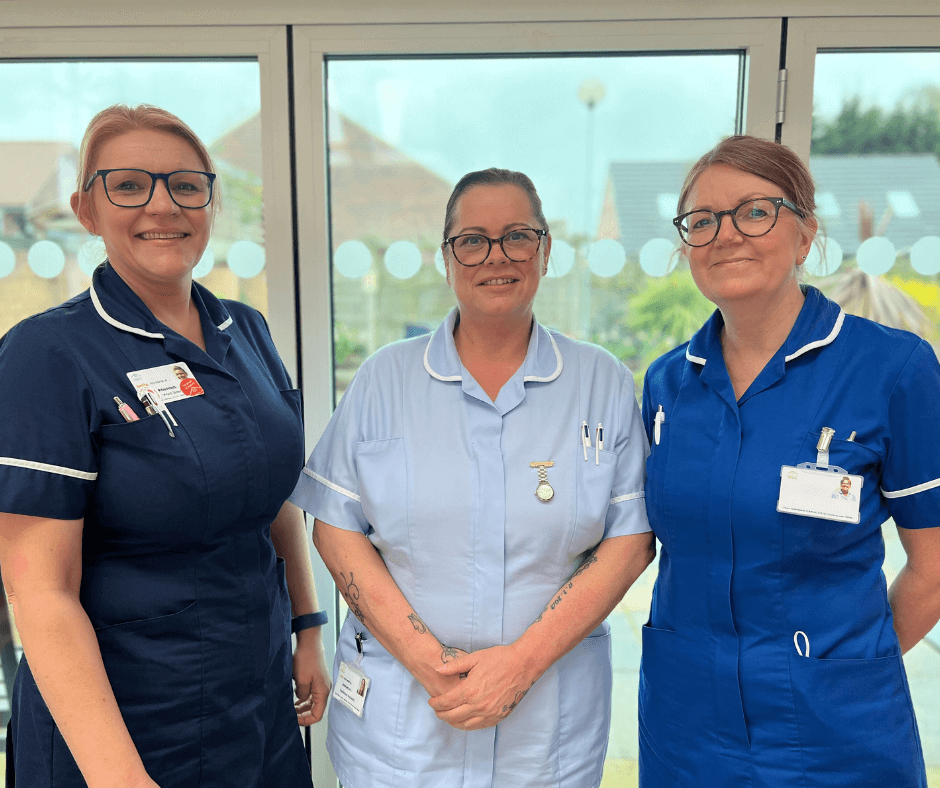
448 653
417 623
507 710
351 595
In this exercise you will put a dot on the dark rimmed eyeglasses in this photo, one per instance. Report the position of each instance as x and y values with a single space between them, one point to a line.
518 245
752 218
131 188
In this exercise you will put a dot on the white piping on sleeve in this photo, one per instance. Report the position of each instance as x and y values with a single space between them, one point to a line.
559 364
42 466
628 497
911 490
328 483
117 324
820 342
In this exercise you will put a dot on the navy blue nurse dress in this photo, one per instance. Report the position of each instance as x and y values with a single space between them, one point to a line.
726 700
179 575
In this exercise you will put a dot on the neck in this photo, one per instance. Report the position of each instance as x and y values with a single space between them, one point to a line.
501 340
760 326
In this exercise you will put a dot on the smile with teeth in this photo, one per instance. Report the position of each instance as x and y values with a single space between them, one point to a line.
161 236
498 282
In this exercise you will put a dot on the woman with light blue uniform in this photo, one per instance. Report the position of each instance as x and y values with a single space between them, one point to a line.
146 545
478 499
773 652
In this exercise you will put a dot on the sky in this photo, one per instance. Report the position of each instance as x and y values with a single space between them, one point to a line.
457 115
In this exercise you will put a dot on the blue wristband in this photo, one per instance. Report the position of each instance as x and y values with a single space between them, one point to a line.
308 620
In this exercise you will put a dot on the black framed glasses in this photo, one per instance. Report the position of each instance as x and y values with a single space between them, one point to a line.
130 188
519 245
752 218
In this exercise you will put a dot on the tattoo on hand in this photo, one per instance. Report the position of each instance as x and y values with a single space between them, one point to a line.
448 653
417 623
351 595
507 710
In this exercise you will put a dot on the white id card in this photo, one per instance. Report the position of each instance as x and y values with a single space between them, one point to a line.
171 381
351 688
826 494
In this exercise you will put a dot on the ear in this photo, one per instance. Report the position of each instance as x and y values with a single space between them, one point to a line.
84 211
547 253
445 255
807 233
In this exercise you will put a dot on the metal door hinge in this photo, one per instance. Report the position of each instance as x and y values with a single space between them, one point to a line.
781 95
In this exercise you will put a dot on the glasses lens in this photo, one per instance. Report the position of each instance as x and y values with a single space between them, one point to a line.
130 188
471 249
520 245
190 189
756 217
698 228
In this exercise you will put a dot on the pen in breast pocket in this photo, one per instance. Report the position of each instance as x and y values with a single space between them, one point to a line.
154 404
598 443
657 427
125 410
585 438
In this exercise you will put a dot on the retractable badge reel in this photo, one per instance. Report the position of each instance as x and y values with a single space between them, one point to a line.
352 684
821 490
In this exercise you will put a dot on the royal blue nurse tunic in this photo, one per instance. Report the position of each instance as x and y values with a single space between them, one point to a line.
725 698
179 576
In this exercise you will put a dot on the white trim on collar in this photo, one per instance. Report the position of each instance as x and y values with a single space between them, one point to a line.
693 359
224 324
116 323
431 372
559 365
820 342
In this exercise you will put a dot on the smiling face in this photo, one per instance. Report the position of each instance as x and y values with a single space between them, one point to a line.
845 486
159 244
735 267
499 288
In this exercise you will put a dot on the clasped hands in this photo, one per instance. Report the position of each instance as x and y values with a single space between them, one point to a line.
480 689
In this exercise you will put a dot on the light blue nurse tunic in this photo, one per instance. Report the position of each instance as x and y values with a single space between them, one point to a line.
726 700
179 575
419 459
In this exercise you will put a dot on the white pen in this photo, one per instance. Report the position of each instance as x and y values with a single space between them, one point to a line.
657 427
585 439
598 443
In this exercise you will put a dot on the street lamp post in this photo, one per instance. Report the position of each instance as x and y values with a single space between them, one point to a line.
590 94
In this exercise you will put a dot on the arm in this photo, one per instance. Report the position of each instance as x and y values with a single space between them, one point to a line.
311 675
378 603
915 593
499 677
41 561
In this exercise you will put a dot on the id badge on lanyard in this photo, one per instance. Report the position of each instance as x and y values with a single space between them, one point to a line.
820 490
352 684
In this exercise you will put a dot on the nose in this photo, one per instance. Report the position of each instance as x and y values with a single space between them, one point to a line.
496 255
161 202
727 231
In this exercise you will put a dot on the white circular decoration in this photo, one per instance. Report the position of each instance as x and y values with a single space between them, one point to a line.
205 264
439 263
818 265
561 259
925 255
46 258
91 254
7 260
403 259
606 258
876 255
246 259
352 259
658 256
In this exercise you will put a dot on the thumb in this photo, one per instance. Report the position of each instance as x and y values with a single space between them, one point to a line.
461 664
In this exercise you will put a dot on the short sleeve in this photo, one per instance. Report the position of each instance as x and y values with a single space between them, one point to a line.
328 487
911 478
627 511
48 457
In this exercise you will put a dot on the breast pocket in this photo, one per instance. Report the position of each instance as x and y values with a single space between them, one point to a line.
594 483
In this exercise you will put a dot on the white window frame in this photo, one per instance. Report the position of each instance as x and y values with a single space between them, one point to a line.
806 36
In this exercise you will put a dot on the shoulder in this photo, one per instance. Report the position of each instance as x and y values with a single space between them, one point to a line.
247 318
52 328
887 348
587 353
668 367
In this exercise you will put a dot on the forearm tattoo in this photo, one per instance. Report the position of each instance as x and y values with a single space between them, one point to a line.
417 623
569 584
351 595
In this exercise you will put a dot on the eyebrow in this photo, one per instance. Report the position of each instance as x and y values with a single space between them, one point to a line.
752 196
482 230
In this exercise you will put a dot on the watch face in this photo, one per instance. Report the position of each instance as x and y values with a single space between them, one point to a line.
545 492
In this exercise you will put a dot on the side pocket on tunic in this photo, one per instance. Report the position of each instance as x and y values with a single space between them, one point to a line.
856 723
659 710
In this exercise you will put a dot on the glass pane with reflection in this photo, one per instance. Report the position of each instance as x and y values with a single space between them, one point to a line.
607 142
876 160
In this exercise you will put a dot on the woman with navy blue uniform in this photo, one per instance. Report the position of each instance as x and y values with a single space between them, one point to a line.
143 510
772 656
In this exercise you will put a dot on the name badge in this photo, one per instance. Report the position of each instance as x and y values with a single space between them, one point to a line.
827 494
352 685
171 381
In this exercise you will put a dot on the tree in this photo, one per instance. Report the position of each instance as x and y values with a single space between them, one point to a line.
908 128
